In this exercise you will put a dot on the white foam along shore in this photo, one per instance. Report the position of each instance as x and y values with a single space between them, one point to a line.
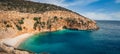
15 42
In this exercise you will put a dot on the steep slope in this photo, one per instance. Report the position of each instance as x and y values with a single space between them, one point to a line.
19 16
28 6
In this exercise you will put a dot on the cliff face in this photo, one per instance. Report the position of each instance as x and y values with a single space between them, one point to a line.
15 23
19 16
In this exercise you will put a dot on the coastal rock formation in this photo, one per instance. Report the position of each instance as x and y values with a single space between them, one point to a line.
5 49
20 16
14 23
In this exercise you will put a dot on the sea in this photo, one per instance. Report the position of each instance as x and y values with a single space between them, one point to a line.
106 40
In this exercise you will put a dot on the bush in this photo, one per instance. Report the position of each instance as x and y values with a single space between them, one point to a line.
35 25
55 18
36 18
23 18
5 22
7 25
20 22
18 27
49 26
61 18
43 23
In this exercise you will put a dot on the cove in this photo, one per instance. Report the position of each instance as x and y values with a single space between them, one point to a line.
104 41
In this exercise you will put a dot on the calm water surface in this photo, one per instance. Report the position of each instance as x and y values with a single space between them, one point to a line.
106 40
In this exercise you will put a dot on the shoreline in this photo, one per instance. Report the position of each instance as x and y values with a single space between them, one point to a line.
16 41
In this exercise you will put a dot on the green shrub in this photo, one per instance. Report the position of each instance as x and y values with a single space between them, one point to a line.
42 26
20 22
35 25
5 22
43 23
64 27
23 18
55 18
36 18
49 26
7 25
61 18
18 27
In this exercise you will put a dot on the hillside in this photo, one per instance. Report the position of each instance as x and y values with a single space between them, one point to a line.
28 6
19 16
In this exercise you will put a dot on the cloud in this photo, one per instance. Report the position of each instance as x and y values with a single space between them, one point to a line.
102 16
116 15
117 1
98 15
66 4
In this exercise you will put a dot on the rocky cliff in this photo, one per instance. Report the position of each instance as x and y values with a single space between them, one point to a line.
20 16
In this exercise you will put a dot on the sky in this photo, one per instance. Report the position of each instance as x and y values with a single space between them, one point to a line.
93 9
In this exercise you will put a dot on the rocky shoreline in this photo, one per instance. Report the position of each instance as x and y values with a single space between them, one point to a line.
5 49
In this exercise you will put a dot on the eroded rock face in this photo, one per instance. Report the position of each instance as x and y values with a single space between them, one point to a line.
16 23
13 23
19 16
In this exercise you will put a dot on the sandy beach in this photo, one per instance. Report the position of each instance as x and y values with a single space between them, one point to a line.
15 42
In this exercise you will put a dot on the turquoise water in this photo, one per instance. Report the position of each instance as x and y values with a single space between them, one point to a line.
106 40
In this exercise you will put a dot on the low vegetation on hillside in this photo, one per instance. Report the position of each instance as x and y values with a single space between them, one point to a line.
28 6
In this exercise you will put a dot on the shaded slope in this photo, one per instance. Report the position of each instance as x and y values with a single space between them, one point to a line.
28 6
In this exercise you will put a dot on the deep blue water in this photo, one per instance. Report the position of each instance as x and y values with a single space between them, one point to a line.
106 40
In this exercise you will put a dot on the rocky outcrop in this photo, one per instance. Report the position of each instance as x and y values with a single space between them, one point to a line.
5 49
20 16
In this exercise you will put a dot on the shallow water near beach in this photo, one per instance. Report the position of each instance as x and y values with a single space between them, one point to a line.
106 40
